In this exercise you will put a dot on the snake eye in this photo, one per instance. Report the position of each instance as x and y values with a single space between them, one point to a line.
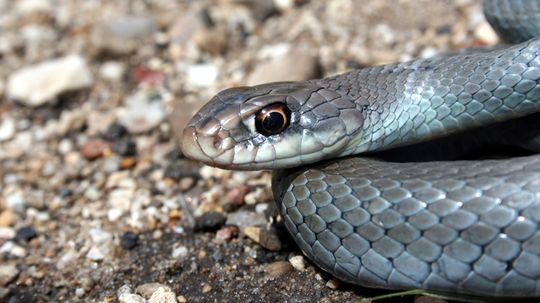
273 119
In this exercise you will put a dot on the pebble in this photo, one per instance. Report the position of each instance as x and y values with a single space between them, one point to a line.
125 147
296 65
98 235
129 240
179 252
131 298
7 233
97 253
210 221
163 295
206 288
201 75
213 40
32 85
267 238
244 218
485 34
148 289
141 114
279 269
114 132
25 234
28 7
7 129
333 284
6 218
8 273
236 196
93 149
16 201
298 262
122 36
79 292
226 233
112 71
114 214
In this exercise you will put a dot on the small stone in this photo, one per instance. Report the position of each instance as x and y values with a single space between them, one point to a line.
25 234
4 293
16 201
213 41
298 262
333 284
163 295
124 289
485 33
97 253
114 132
129 240
32 85
201 75
296 65
127 162
7 129
236 195
246 218
210 221
226 233
206 288
125 147
6 218
7 233
112 71
98 235
29 7
8 273
131 298
141 114
93 149
179 252
279 269
114 214
267 238
79 292
122 36
148 289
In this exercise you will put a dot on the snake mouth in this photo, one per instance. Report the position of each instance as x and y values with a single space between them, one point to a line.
191 147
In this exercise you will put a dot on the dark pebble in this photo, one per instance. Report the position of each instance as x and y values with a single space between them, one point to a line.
179 170
129 240
65 192
125 147
210 221
21 297
25 234
175 154
114 132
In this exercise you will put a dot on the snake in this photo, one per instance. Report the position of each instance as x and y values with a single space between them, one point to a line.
392 176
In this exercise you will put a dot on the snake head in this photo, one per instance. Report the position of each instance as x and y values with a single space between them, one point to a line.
275 125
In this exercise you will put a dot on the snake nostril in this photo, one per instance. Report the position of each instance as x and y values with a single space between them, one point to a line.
217 142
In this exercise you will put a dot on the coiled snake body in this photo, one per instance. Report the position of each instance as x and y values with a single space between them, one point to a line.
384 220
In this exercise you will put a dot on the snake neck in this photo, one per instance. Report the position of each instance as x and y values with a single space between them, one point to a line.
421 100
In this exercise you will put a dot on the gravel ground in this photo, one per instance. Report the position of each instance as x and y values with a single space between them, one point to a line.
97 203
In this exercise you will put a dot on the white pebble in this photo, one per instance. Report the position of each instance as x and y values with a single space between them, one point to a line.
179 252
201 75
298 262
7 128
32 85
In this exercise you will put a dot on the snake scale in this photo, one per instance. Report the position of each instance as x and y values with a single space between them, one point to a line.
385 219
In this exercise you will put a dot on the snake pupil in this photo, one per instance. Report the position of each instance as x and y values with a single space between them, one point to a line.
273 119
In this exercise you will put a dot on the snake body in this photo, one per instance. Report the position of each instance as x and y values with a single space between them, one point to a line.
461 226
